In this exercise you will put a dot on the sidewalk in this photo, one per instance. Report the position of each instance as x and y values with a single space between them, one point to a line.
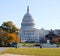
2 48
12 55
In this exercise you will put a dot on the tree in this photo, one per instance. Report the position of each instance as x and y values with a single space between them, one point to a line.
4 38
8 33
9 27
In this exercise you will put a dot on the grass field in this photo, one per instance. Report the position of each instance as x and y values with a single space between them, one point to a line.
33 51
27 44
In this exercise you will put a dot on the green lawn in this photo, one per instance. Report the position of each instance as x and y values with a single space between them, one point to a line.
27 44
33 51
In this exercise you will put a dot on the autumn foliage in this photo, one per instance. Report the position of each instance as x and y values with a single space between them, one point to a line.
14 37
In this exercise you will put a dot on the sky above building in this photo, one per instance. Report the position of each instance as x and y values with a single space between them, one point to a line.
46 13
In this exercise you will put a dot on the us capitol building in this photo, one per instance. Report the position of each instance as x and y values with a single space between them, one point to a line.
28 32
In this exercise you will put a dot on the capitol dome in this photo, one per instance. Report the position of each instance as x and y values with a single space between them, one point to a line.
27 21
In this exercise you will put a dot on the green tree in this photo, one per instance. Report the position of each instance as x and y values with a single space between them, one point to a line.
9 27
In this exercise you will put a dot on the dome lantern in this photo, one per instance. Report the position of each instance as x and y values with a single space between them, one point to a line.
27 9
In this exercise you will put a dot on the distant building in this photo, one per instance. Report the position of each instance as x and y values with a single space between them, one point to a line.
57 31
53 37
43 32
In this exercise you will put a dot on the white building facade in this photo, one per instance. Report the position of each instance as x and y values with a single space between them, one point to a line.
43 33
28 32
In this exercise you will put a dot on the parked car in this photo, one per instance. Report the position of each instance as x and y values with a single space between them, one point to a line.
14 44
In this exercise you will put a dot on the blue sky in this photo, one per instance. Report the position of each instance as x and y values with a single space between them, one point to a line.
46 13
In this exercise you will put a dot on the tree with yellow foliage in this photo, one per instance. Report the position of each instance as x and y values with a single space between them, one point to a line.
14 37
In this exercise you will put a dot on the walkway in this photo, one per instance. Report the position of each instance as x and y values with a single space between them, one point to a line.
2 48
12 55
